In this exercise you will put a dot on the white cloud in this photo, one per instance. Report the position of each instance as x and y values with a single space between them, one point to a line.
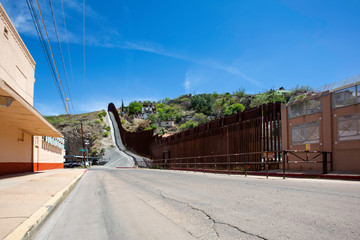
156 49
19 13
192 80
187 83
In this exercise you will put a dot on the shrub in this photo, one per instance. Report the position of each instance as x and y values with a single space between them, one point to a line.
135 107
234 108
201 118
143 125
94 152
203 103
106 134
102 151
188 124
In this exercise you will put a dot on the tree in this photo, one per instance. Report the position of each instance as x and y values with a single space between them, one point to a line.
152 118
135 107
160 105
185 103
165 100
234 108
203 103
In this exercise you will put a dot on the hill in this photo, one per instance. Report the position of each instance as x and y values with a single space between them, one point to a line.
95 128
169 116
166 116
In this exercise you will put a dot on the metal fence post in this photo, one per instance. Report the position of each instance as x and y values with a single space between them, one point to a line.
246 166
283 163
267 168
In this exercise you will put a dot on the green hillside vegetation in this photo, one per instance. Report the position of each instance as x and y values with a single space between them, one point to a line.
188 111
94 131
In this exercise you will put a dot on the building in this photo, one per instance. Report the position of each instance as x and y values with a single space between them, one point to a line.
22 150
147 109
328 120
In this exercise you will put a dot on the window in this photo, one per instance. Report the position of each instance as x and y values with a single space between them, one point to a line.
345 97
6 32
312 106
306 107
306 133
349 127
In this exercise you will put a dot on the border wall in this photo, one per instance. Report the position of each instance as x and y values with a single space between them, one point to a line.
238 138
137 142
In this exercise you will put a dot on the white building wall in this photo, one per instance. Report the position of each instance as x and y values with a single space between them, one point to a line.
17 67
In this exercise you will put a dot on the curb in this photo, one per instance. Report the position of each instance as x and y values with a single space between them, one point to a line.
30 225
287 175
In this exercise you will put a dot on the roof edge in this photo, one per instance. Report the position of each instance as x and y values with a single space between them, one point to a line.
18 39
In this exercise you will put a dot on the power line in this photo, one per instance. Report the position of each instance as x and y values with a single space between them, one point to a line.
52 54
61 53
45 49
68 47
84 40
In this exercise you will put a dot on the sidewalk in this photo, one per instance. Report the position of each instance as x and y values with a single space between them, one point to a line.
26 199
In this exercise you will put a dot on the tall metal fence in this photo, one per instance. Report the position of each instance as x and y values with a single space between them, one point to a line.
243 140
138 142
250 136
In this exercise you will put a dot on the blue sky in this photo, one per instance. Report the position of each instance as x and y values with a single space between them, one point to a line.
149 50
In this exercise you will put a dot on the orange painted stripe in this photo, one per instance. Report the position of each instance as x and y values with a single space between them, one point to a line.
47 166
7 168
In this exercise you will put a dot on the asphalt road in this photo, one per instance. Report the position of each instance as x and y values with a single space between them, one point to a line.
156 204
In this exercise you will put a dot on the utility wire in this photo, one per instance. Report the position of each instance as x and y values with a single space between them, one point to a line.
61 53
44 47
67 41
84 40
52 54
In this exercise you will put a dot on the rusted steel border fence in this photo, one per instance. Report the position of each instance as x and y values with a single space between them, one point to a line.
229 163
247 134
244 136
138 142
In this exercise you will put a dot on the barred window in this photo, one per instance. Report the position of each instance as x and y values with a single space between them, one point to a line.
306 107
306 133
345 97
349 127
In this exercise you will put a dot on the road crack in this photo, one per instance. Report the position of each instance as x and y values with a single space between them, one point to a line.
213 220
196 209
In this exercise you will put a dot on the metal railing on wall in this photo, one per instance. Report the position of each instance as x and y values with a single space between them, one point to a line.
241 163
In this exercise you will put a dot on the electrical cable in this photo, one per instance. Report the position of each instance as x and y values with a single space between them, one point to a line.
52 54
61 53
84 41
44 47
68 47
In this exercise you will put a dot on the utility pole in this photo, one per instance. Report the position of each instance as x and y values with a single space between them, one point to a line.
83 142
